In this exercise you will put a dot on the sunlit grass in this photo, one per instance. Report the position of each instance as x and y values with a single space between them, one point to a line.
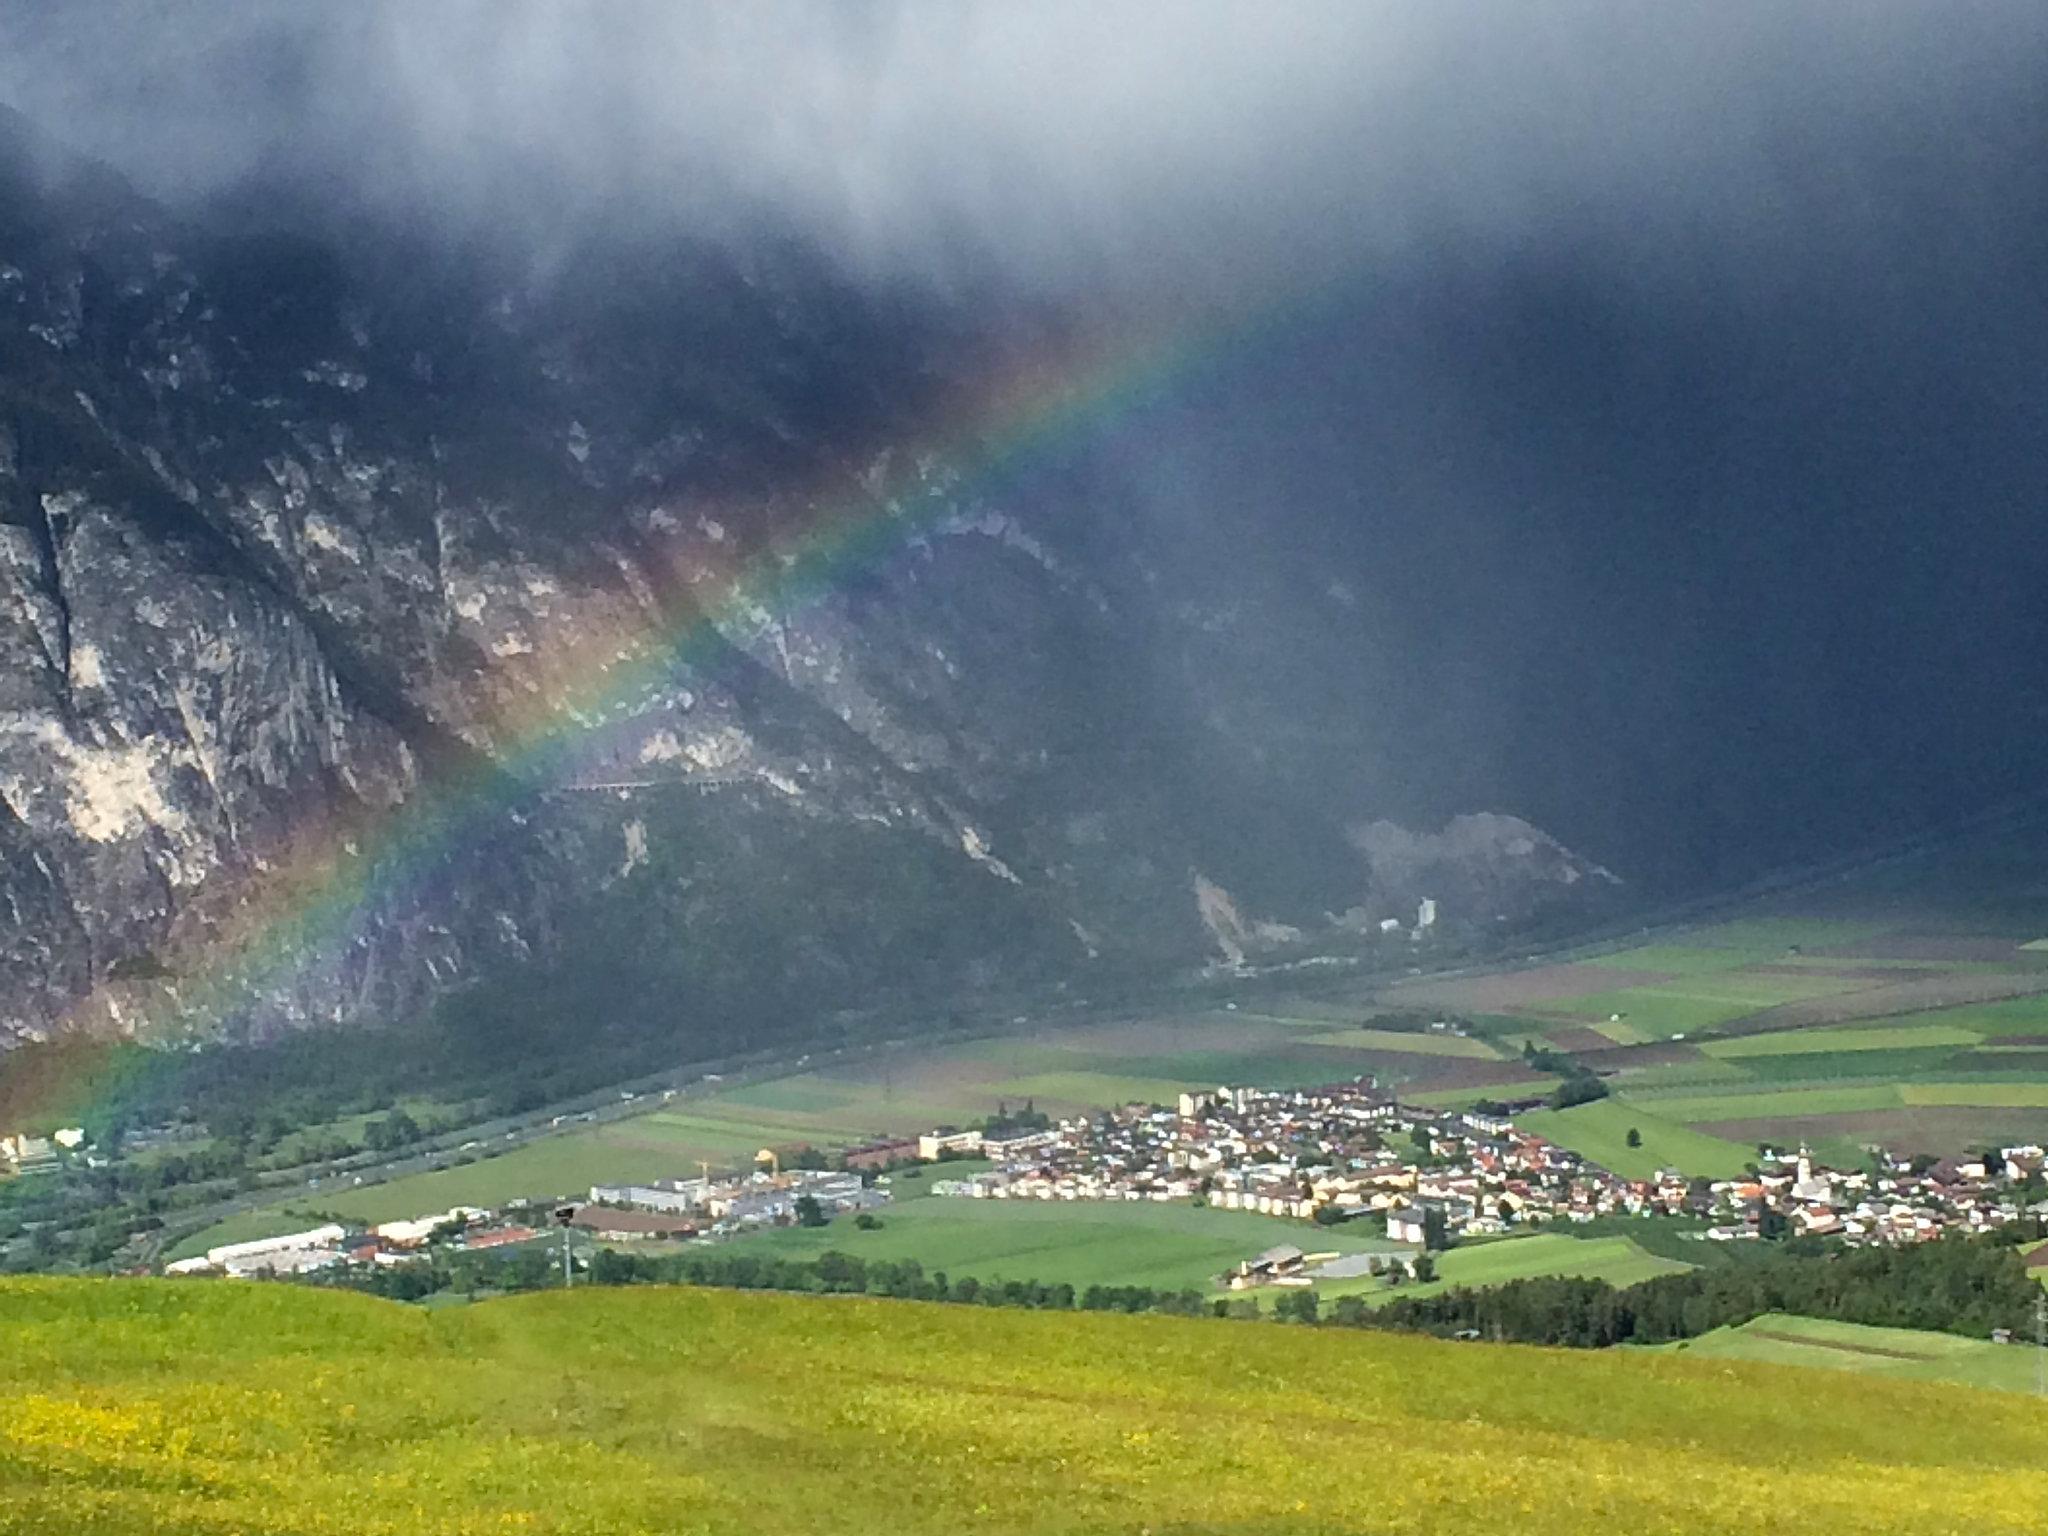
150 1407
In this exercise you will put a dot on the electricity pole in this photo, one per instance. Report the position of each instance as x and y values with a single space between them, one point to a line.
564 1214
2041 1346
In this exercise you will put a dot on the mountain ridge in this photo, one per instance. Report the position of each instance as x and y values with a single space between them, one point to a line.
291 547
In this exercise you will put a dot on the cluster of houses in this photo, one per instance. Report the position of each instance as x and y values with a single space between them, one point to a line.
1897 1201
24 1154
708 1207
1327 1154
614 1213
465 1227
1335 1153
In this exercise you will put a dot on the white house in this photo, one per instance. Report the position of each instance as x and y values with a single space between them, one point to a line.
1406 1225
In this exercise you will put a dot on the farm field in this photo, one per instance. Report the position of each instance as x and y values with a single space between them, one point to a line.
1617 1260
1900 1353
1172 1246
1599 1132
1920 1030
143 1406
1169 1246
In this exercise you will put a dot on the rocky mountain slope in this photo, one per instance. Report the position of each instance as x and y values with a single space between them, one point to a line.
381 624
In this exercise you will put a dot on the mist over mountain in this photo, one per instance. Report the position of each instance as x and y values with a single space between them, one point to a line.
711 517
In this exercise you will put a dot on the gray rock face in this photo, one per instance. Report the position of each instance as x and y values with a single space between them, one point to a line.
372 627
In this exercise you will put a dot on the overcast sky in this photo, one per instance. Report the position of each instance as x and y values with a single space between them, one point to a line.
1676 378
1074 143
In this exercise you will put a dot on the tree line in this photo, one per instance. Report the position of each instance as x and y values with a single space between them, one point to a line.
1955 1284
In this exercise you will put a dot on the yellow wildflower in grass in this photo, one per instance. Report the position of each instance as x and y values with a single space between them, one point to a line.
214 1408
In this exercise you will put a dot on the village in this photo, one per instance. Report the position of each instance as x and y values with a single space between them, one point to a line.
1330 1156
1338 1154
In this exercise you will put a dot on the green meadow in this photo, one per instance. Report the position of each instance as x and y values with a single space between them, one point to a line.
152 1406
1404 1043
1899 1353
1843 1038
1599 1133
1079 1243
1171 1246
1617 1260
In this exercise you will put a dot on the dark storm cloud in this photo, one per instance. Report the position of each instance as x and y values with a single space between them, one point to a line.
1200 142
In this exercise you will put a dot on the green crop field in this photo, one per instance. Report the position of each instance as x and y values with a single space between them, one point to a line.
1781 933
1410 1043
1617 1260
1978 1095
1686 960
149 1406
1079 1243
1170 1246
1656 1011
1599 1133
1767 1100
2016 1016
1900 1353
1850 1037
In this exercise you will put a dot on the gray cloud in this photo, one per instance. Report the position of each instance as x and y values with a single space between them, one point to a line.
1201 142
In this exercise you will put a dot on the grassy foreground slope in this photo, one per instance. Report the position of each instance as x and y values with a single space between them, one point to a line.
152 1406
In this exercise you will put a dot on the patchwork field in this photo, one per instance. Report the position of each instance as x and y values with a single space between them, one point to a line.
1840 1032
1900 1353
141 1406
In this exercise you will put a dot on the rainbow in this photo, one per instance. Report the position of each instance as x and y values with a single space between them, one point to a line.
316 893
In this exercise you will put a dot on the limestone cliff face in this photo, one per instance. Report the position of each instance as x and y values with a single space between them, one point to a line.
368 630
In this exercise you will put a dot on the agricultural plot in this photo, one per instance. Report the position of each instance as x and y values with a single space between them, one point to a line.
1512 992
1406 1043
1599 1133
1915 1033
1784 933
1617 1260
1172 1246
1079 1243
1900 1353
1943 990
1713 1133
1812 1042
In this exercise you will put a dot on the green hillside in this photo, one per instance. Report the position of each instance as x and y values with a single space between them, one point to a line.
1906 1353
138 1406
